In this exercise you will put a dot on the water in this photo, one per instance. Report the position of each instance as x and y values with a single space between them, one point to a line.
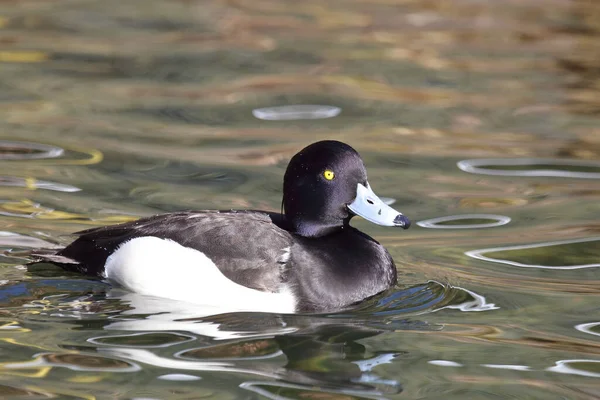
479 118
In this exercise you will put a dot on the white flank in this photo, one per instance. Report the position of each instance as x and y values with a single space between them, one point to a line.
163 268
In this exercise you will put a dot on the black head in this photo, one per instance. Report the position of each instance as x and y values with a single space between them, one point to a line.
322 183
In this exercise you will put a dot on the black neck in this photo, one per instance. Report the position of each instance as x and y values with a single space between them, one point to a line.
310 228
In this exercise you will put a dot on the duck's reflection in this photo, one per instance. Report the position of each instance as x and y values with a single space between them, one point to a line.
325 358
387 311
300 352
276 356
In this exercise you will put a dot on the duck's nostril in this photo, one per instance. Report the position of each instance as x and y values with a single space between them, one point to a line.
370 201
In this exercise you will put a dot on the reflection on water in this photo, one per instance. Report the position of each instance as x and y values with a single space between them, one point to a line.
444 363
532 167
10 150
24 208
9 240
23 151
589 368
112 110
179 377
593 328
306 351
564 254
509 367
467 221
143 339
300 111
29 209
32 183
76 362
280 390
386 311
476 302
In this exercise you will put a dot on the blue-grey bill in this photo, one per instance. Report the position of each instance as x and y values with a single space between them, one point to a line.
369 206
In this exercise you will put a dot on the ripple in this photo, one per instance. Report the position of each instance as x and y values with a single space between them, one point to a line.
185 173
246 350
296 112
143 339
388 200
13 150
592 328
13 325
23 209
471 302
368 376
11 239
421 299
211 116
370 363
29 209
32 183
62 298
80 156
466 221
511 367
573 254
301 356
547 167
10 150
13 392
77 362
149 358
179 377
444 363
273 390
590 368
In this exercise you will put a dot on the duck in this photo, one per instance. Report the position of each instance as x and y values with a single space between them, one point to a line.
305 259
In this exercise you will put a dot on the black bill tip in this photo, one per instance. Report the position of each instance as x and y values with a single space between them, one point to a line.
402 221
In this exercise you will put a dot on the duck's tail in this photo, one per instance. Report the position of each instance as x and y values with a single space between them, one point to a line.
42 255
51 256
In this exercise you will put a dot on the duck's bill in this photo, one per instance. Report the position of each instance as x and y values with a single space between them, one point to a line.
373 209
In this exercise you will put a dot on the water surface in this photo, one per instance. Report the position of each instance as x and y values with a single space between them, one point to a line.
480 119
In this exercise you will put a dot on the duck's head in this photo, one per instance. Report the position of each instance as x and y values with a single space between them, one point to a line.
325 185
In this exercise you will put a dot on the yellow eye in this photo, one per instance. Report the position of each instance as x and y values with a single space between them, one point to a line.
328 174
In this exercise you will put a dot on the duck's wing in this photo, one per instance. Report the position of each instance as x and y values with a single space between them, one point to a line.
247 247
